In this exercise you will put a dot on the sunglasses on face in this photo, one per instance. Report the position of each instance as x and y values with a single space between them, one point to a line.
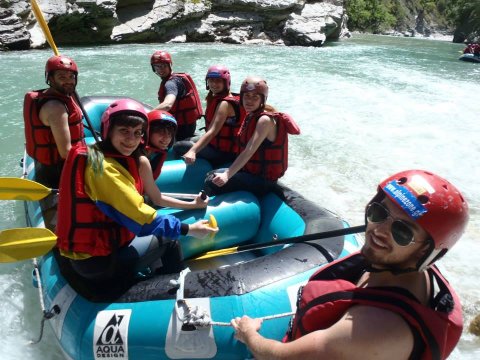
402 233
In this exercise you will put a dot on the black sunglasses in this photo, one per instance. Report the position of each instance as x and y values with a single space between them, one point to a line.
402 233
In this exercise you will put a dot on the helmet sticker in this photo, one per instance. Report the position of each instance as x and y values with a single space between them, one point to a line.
66 62
420 185
406 199
214 74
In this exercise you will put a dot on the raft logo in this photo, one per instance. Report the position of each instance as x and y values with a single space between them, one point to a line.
110 335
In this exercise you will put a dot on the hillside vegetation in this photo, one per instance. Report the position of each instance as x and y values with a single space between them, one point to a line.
422 16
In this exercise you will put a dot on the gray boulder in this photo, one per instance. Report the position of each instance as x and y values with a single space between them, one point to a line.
280 22
13 28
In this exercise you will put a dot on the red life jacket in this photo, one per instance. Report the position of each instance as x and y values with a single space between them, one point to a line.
81 226
157 156
271 159
187 109
331 292
225 140
157 159
40 143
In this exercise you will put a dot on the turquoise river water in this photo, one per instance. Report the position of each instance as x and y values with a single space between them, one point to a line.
367 107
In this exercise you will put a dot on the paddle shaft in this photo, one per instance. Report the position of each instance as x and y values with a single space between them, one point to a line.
12 188
48 35
292 240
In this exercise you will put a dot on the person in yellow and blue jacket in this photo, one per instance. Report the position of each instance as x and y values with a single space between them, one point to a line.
105 228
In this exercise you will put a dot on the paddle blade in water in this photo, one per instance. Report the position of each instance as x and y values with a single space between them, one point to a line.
25 243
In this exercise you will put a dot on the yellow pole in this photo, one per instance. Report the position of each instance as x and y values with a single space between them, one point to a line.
48 35
44 26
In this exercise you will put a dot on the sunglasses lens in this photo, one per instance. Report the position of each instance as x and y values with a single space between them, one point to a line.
401 233
376 213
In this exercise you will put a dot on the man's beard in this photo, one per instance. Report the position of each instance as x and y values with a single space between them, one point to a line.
65 91
377 263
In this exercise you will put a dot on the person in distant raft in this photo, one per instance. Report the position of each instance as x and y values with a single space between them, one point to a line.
263 145
105 230
53 124
223 118
160 136
472 48
177 94
388 301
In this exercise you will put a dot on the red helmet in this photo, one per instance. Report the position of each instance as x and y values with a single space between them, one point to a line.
159 57
218 72
433 203
157 117
254 84
160 116
128 106
60 62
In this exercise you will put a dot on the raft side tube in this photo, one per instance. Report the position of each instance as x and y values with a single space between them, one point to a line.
96 105
237 215
176 174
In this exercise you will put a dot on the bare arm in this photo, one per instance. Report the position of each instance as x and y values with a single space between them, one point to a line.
363 332
152 191
167 103
54 114
221 114
265 125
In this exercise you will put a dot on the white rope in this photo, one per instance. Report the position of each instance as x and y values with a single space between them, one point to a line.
39 284
198 317
42 303
268 317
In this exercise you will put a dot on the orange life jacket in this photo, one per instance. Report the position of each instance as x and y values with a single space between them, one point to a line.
40 143
82 227
271 159
188 108
225 140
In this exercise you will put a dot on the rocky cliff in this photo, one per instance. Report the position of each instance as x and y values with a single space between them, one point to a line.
282 22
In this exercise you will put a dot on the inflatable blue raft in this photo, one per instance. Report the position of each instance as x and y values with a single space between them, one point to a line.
470 58
187 315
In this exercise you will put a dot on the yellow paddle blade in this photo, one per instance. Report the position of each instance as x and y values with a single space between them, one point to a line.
12 188
219 252
212 222
25 243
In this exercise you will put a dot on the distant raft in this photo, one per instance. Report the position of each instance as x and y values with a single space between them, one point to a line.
187 315
470 58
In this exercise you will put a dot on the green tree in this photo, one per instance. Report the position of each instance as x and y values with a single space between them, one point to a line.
370 15
465 14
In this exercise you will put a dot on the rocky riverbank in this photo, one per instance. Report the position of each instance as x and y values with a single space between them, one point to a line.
279 22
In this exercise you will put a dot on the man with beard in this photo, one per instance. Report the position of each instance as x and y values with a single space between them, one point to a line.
388 301
53 123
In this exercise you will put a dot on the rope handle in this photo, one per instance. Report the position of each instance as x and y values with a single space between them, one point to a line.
193 317
47 314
